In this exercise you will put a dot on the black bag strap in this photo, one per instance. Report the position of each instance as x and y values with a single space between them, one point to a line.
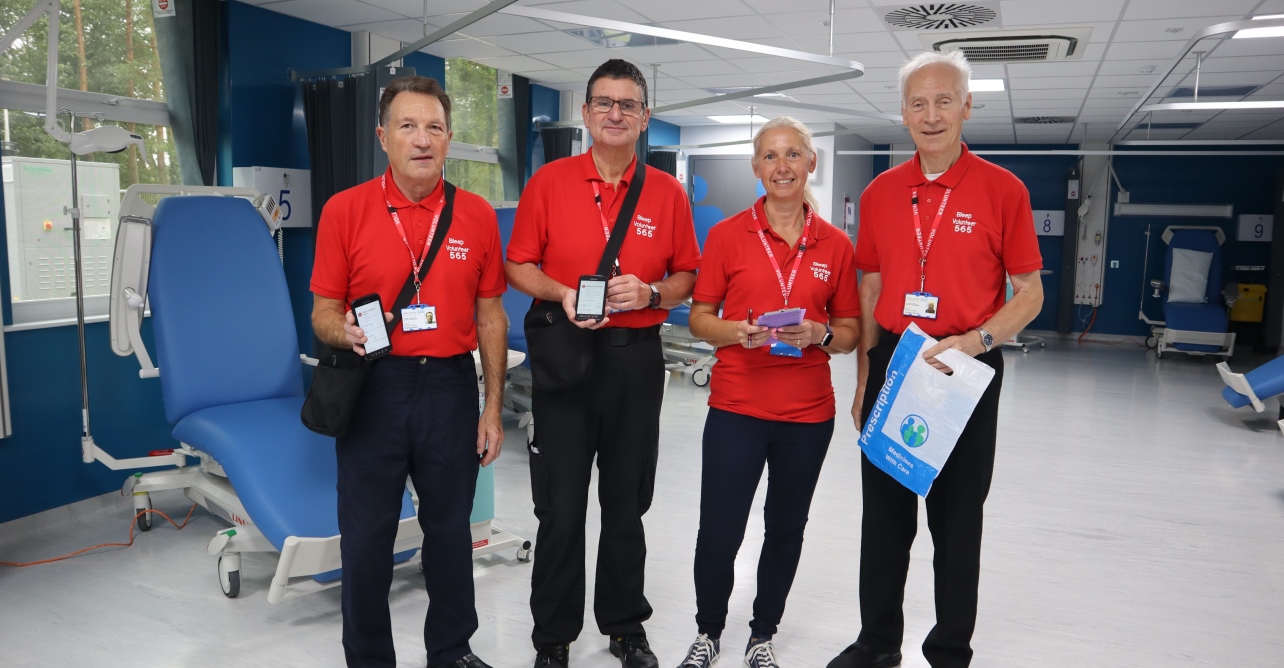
408 290
622 221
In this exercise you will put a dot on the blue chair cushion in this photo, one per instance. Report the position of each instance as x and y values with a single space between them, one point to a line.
285 475
679 315
1266 380
1196 318
221 312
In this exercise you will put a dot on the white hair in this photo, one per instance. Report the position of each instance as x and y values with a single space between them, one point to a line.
803 131
954 59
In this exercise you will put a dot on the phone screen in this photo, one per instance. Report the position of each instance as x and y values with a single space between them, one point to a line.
591 301
370 320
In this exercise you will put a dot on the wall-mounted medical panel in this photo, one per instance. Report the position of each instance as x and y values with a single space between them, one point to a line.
41 260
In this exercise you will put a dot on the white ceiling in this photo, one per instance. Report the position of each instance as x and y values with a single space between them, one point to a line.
1133 43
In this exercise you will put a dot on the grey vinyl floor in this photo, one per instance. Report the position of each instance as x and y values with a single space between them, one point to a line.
1135 520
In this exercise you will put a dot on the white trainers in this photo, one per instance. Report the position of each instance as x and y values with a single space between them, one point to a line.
703 653
761 655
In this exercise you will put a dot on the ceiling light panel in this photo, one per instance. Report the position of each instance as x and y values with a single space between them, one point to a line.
986 86
742 119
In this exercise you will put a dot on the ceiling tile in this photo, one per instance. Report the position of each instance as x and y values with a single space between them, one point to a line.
658 11
465 48
732 27
1228 10
1165 51
1021 13
333 12
1071 68
549 42
500 24
602 9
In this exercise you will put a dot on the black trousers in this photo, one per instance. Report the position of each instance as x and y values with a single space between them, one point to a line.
736 449
417 417
954 516
615 417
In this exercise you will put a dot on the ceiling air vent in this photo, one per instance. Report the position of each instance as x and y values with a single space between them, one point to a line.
1011 49
1043 120
940 16
1013 46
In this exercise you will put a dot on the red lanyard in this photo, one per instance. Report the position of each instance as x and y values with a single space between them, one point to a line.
785 289
415 262
606 225
918 233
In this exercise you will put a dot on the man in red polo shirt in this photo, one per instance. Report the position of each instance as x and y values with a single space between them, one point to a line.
560 233
938 235
417 415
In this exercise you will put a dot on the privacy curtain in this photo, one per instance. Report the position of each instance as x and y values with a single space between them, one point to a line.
188 43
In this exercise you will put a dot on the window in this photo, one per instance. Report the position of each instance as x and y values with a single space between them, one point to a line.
108 75
474 159
104 46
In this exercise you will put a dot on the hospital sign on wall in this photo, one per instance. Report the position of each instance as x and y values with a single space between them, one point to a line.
1050 223
292 189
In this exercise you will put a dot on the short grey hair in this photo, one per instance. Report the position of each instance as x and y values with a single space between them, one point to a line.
803 131
954 59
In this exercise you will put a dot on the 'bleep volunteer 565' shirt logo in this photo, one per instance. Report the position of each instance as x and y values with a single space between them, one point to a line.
821 271
963 222
642 226
456 248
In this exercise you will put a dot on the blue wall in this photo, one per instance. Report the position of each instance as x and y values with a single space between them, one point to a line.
663 133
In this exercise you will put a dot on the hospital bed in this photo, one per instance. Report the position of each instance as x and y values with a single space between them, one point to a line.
1195 319
232 384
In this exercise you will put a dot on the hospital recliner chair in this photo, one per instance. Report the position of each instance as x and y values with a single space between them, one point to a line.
1249 389
232 386
1195 319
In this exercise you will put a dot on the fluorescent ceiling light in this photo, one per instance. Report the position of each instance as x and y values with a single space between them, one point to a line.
986 86
743 119
1203 106
1261 32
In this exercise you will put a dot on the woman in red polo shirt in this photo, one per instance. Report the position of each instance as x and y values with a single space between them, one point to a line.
771 402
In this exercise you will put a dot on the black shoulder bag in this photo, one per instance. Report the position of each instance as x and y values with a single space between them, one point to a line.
561 354
340 373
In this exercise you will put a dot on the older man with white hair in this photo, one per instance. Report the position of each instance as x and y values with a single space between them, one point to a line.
939 235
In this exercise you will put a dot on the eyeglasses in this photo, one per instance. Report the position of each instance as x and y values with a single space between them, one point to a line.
602 105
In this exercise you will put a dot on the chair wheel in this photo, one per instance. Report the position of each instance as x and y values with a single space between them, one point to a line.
700 377
524 552
229 575
144 521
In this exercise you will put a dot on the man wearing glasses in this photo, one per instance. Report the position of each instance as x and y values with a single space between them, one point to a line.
564 219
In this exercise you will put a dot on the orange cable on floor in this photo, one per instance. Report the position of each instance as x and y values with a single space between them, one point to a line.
132 525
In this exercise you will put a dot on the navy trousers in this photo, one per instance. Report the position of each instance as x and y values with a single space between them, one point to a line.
417 417
736 449
954 515
613 418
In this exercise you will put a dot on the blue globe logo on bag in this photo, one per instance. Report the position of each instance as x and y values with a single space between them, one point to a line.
914 431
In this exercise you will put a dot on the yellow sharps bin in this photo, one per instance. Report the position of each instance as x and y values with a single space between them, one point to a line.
1249 305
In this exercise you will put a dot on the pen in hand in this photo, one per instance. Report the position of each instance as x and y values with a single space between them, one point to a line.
749 319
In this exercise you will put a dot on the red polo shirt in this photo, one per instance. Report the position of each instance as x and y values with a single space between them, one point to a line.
736 272
360 251
985 233
558 226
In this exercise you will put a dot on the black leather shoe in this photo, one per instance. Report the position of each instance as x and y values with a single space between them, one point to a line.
859 656
634 651
553 656
469 660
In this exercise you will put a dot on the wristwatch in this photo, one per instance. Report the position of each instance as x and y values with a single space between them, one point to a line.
655 296
829 335
986 339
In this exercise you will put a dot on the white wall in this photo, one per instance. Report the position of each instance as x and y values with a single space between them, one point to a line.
821 182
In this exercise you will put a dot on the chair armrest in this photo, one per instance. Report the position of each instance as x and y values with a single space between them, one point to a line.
310 361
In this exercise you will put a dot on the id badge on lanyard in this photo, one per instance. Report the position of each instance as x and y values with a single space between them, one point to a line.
780 348
923 304
417 316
